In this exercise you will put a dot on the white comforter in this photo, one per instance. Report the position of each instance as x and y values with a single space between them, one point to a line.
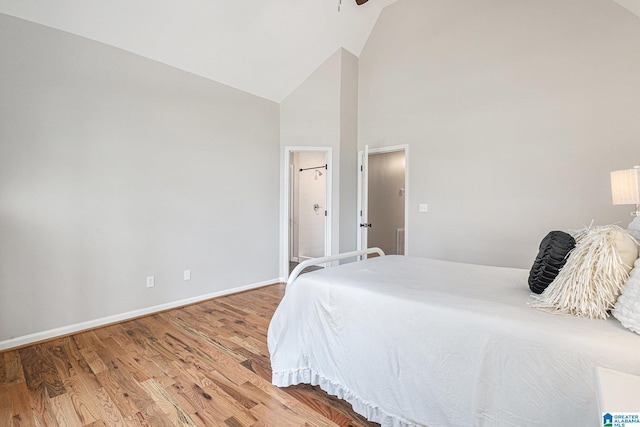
413 341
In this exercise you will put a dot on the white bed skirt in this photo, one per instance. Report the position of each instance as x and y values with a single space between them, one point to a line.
411 341
368 410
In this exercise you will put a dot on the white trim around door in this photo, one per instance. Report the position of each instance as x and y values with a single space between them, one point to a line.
287 200
362 198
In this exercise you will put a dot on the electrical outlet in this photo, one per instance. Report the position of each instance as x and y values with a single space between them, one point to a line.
187 275
424 207
151 281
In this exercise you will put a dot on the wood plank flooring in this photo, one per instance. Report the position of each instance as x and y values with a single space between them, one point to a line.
206 364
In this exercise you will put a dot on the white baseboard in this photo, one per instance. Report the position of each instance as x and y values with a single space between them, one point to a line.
91 324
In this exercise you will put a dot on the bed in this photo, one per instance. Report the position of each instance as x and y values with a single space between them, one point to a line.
413 341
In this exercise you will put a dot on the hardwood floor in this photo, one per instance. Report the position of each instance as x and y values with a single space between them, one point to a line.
293 265
202 365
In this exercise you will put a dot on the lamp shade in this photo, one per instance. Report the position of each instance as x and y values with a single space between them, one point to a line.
625 186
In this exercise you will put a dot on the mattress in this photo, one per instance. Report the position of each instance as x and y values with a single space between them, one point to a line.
413 341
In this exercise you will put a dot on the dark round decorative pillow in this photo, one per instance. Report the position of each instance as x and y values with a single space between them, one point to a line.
553 254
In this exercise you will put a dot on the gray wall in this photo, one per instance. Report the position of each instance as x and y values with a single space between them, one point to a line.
322 112
386 200
515 112
114 167
348 152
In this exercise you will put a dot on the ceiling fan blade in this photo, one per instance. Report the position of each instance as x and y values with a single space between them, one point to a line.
359 2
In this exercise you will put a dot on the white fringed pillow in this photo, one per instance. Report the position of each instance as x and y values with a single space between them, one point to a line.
590 282
627 309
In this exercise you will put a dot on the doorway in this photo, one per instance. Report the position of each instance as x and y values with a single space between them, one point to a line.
307 204
383 199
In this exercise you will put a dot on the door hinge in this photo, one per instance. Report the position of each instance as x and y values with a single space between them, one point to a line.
325 213
361 168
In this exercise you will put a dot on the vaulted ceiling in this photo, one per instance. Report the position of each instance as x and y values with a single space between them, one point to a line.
264 47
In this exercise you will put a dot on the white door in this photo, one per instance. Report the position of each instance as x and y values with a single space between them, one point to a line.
383 199
363 197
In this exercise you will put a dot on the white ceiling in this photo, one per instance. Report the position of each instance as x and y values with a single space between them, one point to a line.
264 47
632 5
